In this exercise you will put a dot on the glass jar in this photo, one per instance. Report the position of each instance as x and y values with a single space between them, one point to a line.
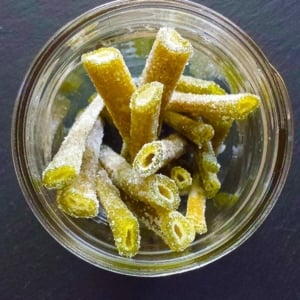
255 162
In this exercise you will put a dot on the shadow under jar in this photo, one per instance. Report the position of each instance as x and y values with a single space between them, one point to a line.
254 164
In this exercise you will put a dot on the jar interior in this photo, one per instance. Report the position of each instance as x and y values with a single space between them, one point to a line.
217 56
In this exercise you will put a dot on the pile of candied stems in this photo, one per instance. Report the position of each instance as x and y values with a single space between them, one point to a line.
172 126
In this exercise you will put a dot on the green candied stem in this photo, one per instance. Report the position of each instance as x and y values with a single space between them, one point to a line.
59 110
194 130
166 62
66 163
177 231
209 162
215 107
79 199
59 177
123 224
222 129
111 77
206 158
189 84
174 229
225 200
210 182
182 178
163 191
145 108
72 83
196 205
153 156
77 204
156 190
208 167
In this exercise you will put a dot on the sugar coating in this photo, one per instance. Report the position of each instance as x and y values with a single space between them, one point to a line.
207 159
102 56
145 94
182 178
189 84
173 40
79 198
215 107
166 62
174 229
72 148
59 110
123 223
78 205
194 130
140 188
153 156
178 231
111 77
95 137
164 187
210 182
145 108
196 206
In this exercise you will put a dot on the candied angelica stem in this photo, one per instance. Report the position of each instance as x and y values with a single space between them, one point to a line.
174 229
71 83
112 80
196 204
182 178
211 183
66 163
156 190
124 225
208 168
153 156
59 110
189 84
206 158
194 130
166 61
79 199
214 107
145 107
225 200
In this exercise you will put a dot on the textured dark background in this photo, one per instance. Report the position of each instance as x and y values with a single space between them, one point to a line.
34 266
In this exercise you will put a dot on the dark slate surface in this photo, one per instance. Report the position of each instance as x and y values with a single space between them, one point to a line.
34 266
